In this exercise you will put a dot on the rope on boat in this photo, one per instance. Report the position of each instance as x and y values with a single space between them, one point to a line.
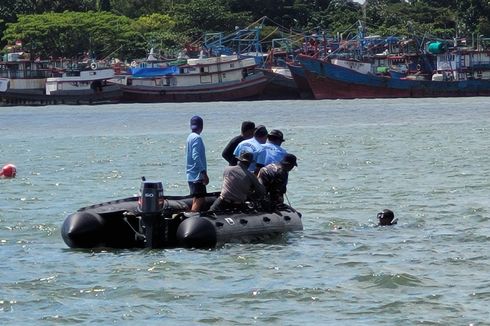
136 233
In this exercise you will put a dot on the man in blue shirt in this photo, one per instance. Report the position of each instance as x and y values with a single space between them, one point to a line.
274 153
197 176
255 146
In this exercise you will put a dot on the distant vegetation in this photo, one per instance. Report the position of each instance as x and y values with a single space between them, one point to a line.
129 28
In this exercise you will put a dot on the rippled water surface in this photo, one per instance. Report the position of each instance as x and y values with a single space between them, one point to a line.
426 159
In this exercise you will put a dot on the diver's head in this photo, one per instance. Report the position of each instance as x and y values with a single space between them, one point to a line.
386 217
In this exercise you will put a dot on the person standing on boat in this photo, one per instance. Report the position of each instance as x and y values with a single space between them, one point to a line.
247 132
274 177
255 146
239 184
274 153
196 171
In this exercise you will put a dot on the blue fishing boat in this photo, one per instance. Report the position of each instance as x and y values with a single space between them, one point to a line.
442 70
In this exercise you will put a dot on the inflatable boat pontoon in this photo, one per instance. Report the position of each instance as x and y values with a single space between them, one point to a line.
154 221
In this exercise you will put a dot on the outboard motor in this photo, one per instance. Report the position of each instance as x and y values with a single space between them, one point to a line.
150 205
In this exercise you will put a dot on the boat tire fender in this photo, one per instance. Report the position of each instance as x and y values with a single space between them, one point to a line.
93 65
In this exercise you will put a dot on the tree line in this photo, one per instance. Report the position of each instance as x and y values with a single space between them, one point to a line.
126 29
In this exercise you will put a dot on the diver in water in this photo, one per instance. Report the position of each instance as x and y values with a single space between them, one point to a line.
386 217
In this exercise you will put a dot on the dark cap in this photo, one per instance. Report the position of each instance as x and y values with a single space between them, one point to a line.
247 125
289 159
386 217
277 134
246 157
260 131
386 213
196 123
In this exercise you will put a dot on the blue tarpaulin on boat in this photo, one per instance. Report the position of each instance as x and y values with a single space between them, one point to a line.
154 71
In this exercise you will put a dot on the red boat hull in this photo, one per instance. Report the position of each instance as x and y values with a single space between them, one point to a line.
330 81
325 88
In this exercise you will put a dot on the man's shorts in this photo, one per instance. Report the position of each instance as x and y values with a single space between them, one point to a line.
197 188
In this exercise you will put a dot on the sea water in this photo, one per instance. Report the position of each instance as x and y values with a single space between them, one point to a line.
426 159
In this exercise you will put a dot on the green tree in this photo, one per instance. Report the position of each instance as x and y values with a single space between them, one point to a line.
420 17
340 16
158 31
71 34
199 16
68 28
473 15
138 8
104 5
10 9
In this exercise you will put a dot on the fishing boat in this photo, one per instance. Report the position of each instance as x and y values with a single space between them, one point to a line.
440 71
281 84
22 81
155 66
275 67
298 74
27 82
152 220
84 84
272 63
221 78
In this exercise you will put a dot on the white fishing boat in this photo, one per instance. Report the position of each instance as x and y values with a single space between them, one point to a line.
27 82
222 78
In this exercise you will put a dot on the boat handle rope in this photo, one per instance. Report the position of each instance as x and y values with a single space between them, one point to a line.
285 195
292 208
137 234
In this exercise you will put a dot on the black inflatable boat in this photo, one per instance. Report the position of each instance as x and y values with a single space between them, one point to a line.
154 221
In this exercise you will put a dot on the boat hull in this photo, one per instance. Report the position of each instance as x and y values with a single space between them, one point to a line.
329 81
108 94
248 88
119 224
280 87
300 80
